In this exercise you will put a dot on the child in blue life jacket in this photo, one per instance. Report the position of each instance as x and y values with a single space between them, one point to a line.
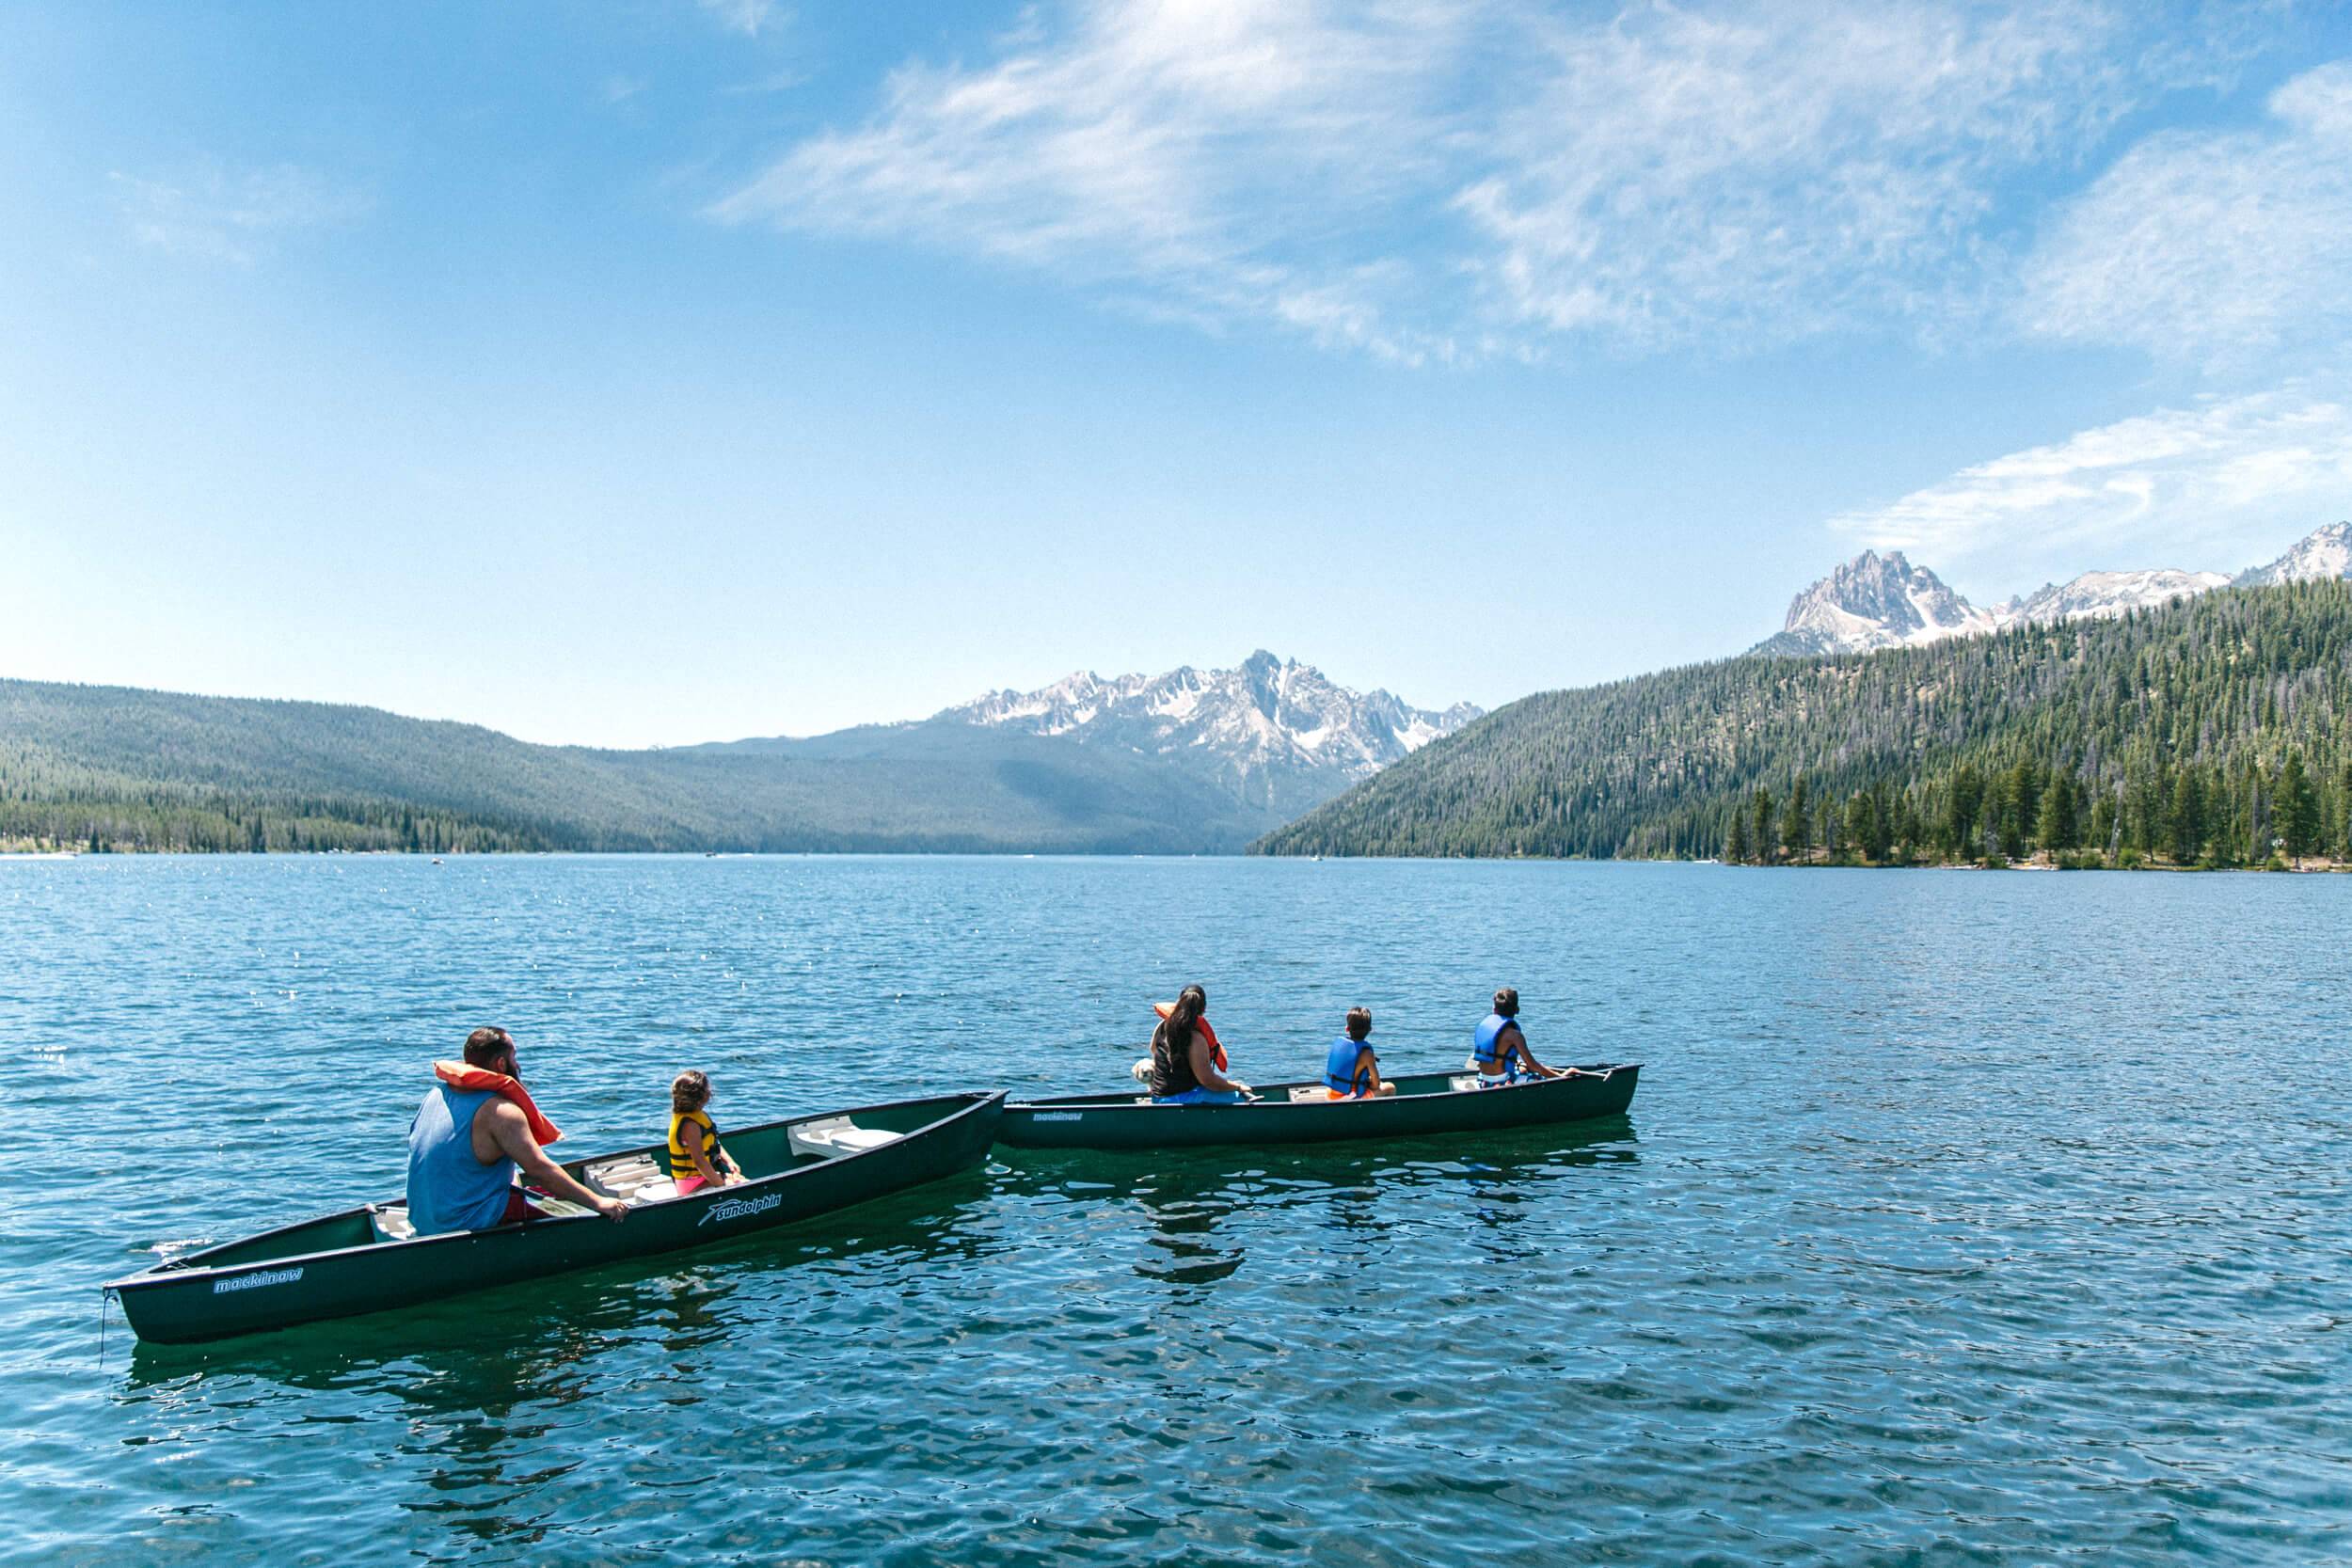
1498 1052
1351 1071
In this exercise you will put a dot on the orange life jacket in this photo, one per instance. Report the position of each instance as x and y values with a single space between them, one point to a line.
1216 1052
458 1075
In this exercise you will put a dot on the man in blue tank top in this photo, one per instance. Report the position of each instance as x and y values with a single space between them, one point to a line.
1498 1052
465 1144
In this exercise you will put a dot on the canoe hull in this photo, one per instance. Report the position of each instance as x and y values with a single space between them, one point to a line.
194 1299
1423 1106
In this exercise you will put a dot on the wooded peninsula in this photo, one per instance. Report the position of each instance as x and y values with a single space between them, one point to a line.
2209 732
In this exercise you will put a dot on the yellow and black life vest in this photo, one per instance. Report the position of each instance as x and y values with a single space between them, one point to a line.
681 1162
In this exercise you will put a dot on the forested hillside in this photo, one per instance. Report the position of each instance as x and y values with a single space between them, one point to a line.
107 768
2196 733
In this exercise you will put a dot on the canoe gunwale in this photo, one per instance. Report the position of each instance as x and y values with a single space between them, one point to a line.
1434 1109
1276 1096
188 1270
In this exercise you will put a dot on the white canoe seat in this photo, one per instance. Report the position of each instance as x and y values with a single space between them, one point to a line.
391 1222
1310 1094
834 1136
635 1178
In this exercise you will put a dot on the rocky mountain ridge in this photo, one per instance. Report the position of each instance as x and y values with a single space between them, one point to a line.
2322 553
1278 733
1876 601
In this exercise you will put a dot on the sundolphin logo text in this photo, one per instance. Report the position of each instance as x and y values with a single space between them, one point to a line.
737 1207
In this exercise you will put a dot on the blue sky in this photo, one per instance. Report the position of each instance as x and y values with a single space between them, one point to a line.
647 374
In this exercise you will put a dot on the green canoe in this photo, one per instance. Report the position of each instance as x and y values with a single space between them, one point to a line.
1304 1113
365 1259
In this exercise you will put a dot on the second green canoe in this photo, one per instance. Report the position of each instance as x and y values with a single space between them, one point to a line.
1303 1112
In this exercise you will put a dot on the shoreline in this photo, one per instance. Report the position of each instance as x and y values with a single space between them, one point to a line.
2311 865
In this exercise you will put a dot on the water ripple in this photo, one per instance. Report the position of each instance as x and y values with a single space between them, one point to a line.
1960 1220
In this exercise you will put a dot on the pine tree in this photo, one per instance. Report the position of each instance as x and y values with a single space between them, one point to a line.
1736 846
1796 825
1862 823
2021 800
2059 829
1881 841
2343 801
2298 809
1960 806
2185 818
1763 824
2143 809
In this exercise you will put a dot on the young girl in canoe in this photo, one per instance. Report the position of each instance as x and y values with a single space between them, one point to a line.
696 1158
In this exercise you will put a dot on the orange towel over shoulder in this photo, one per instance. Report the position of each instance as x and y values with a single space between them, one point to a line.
457 1075
1216 1052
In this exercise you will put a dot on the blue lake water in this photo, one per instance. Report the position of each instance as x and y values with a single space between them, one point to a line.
1961 1218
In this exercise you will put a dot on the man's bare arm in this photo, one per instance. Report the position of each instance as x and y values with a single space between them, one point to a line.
511 1132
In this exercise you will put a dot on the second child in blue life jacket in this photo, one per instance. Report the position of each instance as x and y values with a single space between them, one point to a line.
1498 1052
1352 1071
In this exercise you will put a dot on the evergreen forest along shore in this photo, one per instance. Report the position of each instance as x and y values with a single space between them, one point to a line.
2208 732
111 768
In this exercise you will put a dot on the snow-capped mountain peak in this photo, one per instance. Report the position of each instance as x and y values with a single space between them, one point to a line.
1875 601
2325 552
1276 731
2103 596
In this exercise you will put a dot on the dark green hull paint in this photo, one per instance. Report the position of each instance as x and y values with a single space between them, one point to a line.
1422 1105
334 1267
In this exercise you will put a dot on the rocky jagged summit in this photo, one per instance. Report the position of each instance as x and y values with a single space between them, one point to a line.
1276 730
1876 601
2322 553
2106 595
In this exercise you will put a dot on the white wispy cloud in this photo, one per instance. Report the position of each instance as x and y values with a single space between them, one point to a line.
2211 245
2211 485
217 213
746 17
1227 157
1766 173
1433 178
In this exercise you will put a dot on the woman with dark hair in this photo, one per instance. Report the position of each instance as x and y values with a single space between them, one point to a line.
1187 1067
